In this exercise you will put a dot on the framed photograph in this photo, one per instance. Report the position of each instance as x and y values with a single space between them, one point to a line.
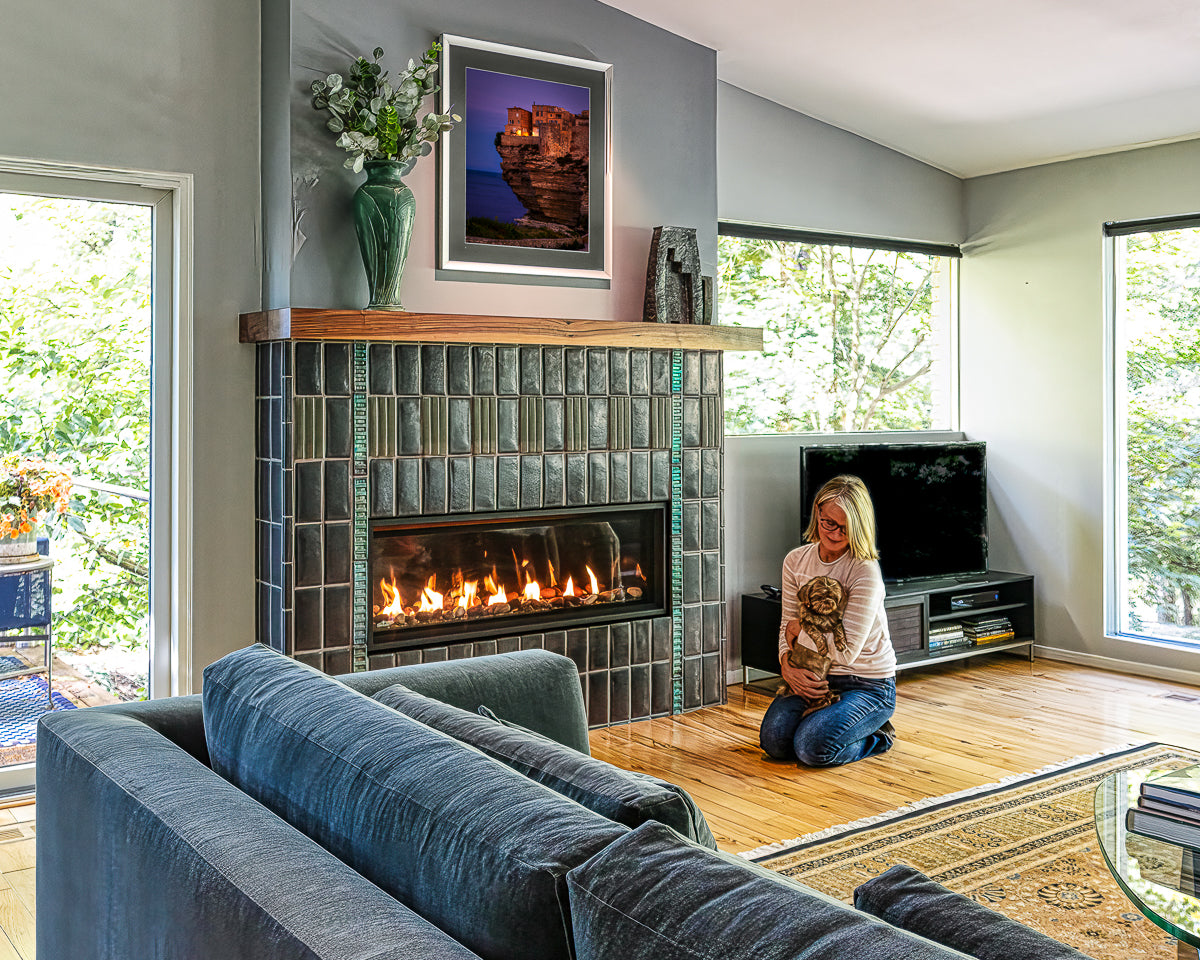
524 180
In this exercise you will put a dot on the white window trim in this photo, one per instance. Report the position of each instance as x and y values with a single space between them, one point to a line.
171 603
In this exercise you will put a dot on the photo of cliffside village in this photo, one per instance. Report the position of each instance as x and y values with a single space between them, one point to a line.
531 189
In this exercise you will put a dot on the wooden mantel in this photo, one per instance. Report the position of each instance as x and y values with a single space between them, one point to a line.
302 323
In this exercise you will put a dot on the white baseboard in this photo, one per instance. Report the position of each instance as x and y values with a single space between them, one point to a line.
1174 674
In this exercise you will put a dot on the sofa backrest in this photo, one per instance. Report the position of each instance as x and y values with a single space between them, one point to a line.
471 845
143 851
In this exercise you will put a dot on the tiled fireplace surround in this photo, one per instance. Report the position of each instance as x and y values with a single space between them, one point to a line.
352 431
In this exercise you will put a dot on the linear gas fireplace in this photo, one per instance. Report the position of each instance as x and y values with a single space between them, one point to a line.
479 575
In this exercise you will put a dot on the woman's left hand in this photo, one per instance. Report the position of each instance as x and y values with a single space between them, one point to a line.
803 683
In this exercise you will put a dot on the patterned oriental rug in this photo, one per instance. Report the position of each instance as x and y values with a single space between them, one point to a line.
1026 847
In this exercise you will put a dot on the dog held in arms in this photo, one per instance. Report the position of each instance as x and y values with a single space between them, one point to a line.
822 601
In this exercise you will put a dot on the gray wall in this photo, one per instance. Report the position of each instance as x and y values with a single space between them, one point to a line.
664 158
1033 334
169 87
776 166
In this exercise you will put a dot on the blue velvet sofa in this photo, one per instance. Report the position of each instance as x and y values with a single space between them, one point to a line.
437 811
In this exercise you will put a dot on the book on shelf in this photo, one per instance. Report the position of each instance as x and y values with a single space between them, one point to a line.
1162 826
994 638
1178 786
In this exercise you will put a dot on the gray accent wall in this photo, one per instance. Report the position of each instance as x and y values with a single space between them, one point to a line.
1033 374
170 87
776 166
664 156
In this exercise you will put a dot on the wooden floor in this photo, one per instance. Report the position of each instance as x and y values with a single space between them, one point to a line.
960 725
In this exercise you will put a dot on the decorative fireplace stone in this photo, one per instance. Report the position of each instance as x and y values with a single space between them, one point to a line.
355 433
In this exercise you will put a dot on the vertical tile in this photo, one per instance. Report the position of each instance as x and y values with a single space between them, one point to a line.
531 483
408 487
619 645
660 372
433 493
308 477
460 484
597 699
459 651
307 630
408 426
691 474
710 466
553 434
660 475
337 553
618 696
597 423
381 426
554 479
484 368
711 627
575 423
639 422
307 554
691 373
619 427
639 692
306 375
380 379
531 371
710 525
598 648
312 658
660 638
483 648
337 490
531 424
460 425
508 412
639 476
710 575
458 370
710 374
337 369
553 371
556 642
408 369
433 369
597 371
597 477
691 631
485 425
485 483
577 483
508 483
618 477
691 525
508 372
339 440
381 486
693 692
691 578
639 372
435 426
691 421
577 648
576 370
336 662
712 683
536 641
660 689
618 371
337 617
639 651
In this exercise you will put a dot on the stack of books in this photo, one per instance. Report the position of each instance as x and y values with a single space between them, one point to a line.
1168 808
988 629
947 636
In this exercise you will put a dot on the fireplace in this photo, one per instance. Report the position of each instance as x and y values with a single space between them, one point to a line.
481 575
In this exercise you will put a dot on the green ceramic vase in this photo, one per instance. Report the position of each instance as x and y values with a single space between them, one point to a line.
384 209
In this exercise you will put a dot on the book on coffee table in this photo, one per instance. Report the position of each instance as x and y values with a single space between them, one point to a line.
1163 826
1181 787
1150 805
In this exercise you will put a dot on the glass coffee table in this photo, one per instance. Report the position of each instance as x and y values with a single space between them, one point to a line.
1161 879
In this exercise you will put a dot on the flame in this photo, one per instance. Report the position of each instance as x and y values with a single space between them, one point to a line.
533 591
640 575
592 577
469 594
430 598
392 605
497 594
569 589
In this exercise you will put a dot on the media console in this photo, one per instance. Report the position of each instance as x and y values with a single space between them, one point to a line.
914 609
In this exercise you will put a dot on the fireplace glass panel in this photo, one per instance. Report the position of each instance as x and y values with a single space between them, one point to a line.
483 575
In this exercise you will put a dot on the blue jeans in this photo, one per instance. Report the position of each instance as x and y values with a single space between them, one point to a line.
840 733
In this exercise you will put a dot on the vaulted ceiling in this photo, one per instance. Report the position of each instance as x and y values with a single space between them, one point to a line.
970 87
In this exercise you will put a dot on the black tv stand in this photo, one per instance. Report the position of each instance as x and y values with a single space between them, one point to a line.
913 607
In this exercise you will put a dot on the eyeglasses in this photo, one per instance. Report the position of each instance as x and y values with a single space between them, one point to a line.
830 526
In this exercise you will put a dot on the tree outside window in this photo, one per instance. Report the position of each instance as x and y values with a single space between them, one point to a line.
854 339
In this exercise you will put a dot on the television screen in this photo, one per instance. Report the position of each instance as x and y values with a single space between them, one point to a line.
930 502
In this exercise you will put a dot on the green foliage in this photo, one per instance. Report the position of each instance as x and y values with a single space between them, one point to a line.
75 362
1162 353
848 337
376 119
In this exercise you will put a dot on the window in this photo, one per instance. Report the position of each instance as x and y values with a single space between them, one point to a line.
1153 583
858 335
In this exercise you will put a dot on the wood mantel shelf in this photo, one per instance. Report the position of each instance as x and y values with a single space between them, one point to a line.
302 323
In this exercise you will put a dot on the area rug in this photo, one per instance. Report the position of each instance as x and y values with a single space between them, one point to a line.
23 700
1026 847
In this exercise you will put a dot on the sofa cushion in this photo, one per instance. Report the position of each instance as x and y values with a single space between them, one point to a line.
471 845
621 795
661 898
908 899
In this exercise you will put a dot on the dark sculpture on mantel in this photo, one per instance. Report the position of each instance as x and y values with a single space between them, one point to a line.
675 290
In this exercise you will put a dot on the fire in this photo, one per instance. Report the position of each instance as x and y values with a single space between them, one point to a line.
498 593
533 591
430 599
592 577
392 606
470 595
569 589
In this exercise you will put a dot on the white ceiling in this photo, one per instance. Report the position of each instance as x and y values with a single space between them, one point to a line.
970 86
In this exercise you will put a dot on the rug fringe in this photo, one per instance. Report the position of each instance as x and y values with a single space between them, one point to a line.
916 805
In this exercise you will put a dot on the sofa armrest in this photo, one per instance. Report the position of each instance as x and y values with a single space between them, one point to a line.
534 688
143 851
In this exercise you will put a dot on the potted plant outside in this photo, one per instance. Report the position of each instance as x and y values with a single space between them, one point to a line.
30 490
376 122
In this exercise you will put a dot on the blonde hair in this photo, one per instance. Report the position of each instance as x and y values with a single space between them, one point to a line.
851 494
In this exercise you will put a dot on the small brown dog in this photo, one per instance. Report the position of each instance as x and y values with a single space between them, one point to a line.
822 602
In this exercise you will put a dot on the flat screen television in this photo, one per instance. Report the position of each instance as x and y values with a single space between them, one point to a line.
930 502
